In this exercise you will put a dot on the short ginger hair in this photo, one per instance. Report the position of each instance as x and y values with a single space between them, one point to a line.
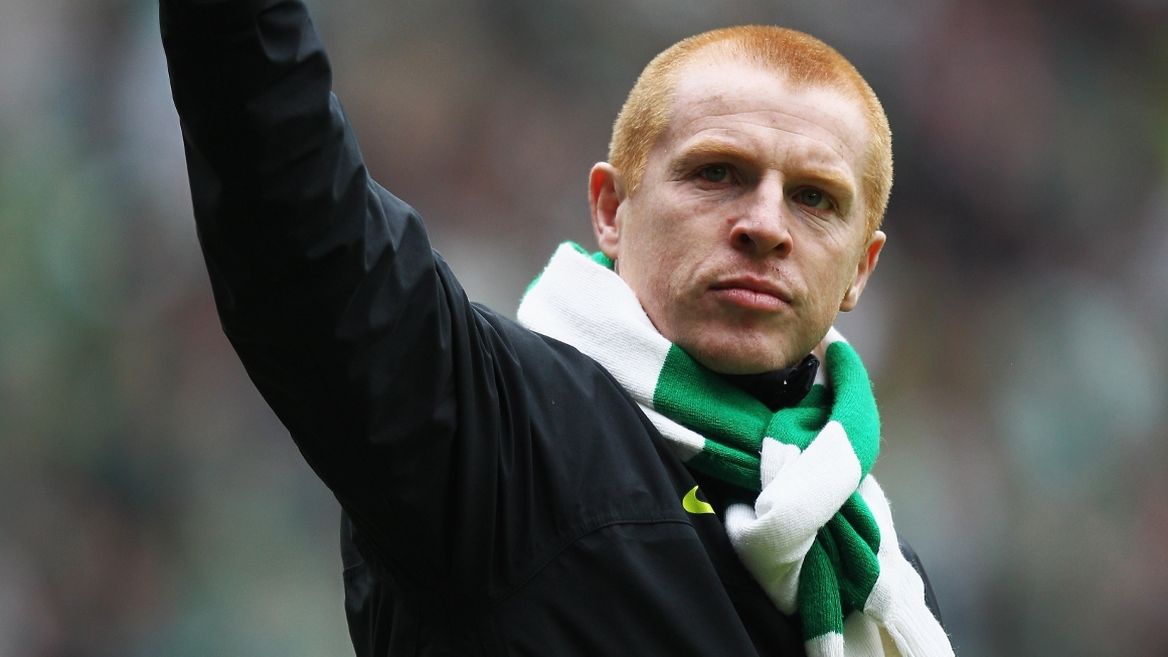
805 62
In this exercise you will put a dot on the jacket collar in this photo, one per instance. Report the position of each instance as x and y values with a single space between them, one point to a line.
779 388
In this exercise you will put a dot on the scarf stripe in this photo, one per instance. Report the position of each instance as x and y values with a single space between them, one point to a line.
854 405
732 421
819 537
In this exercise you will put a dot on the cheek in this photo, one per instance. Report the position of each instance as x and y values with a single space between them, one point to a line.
654 248
830 285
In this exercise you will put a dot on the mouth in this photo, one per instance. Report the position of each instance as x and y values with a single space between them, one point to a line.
752 293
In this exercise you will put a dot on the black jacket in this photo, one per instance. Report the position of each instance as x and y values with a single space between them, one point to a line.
504 495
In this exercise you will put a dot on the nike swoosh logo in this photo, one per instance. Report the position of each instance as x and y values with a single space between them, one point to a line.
695 506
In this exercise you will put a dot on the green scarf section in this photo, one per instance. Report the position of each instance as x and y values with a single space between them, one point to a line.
841 568
735 423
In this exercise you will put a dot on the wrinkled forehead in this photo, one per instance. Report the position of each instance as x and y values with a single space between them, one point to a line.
718 93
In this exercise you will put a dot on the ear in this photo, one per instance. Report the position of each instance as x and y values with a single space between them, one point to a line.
867 264
605 194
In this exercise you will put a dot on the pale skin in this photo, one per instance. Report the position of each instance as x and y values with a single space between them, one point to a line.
747 234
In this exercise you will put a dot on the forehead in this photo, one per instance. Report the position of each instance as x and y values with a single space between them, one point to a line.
737 100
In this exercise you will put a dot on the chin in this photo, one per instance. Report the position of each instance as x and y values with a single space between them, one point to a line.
738 357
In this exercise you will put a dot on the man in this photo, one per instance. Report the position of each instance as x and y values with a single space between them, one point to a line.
662 479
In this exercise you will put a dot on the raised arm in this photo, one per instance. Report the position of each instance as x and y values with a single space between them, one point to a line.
286 213
325 283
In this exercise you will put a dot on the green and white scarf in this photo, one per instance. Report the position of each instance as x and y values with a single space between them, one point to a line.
819 537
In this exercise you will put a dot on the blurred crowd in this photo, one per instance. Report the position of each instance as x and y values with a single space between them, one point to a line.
1015 328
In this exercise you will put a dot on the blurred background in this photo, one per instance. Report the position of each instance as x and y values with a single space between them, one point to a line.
1015 329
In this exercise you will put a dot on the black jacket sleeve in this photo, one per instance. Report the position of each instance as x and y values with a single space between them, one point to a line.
326 285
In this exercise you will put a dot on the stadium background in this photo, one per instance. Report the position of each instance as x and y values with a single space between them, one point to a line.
153 506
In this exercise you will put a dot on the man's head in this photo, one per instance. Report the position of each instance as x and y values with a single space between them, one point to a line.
748 172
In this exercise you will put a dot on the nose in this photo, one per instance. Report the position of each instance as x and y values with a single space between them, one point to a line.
762 227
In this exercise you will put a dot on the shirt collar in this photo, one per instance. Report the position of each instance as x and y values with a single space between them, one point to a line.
779 388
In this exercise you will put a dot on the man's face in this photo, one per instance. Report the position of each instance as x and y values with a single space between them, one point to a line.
747 234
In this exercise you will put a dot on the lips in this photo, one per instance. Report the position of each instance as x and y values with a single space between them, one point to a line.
752 293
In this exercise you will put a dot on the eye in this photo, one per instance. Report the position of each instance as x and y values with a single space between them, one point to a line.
813 198
715 173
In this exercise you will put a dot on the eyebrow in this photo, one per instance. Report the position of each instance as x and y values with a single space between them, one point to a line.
714 150
711 150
